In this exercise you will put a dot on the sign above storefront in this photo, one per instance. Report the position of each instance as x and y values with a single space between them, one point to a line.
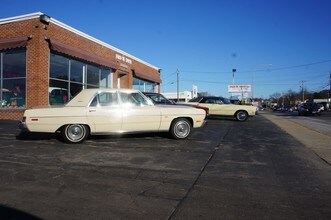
123 58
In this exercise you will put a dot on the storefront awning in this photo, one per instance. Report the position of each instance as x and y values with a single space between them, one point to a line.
81 54
13 42
148 77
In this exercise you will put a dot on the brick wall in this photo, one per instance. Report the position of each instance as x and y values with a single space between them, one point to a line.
38 59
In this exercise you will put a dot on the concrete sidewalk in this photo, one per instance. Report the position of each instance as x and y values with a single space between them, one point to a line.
318 142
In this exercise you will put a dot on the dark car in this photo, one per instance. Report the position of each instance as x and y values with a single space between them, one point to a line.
309 108
159 99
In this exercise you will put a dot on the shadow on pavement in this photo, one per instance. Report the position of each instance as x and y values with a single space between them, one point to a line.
7 213
23 135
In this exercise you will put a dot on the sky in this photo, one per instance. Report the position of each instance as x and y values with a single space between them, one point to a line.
274 45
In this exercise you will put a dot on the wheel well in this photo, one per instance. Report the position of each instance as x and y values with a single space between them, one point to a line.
241 110
87 126
188 118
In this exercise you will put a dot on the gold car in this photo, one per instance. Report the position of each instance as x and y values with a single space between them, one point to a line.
104 111
222 107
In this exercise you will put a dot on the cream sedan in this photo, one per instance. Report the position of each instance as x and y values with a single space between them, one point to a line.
106 111
222 106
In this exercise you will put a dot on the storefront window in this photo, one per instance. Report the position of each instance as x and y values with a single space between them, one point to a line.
106 80
58 92
144 86
59 68
13 79
92 76
69 76
76 71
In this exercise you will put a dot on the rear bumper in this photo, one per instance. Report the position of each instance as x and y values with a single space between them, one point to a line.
22 126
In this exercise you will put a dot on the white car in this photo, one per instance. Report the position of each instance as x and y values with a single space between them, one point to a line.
106 111
222 107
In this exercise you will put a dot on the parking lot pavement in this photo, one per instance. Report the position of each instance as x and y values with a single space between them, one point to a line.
313 132
226 170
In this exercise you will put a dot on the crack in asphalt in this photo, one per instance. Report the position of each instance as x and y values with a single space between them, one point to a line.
216 148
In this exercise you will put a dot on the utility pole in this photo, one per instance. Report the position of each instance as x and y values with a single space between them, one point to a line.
330 86
177 85
303 92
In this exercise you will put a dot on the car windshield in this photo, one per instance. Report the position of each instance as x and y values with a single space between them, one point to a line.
198 99
225 101
159 99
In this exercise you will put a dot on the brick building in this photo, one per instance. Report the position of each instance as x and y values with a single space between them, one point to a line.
45 62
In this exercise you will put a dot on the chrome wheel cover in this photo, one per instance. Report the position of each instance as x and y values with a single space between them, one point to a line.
182 129
241 116
75 132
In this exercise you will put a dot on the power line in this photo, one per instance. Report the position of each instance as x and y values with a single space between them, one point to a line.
169 75
261 70
204 81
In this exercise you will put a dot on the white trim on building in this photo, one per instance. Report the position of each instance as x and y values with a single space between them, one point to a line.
71 29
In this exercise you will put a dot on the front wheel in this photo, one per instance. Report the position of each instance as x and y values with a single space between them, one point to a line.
241 115
74 133
180 128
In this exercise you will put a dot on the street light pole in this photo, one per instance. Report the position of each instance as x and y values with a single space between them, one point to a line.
177 85
233 71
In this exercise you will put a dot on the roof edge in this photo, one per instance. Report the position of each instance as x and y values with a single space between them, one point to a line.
20 18
71 29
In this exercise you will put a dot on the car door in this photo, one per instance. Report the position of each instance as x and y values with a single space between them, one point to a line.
138 114
211 104
225 107
222 108
105 113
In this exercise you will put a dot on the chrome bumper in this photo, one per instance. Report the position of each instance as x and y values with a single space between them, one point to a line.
22 126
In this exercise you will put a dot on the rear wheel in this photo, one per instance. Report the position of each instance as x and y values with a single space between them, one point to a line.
241 115
74 133
180 128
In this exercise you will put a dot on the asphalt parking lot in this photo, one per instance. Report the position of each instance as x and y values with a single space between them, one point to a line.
225 170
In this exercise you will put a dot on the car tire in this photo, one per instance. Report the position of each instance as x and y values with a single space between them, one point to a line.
74 133
241 115
180 128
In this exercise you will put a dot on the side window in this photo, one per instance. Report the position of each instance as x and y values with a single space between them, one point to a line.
219 101
133 99
210 101
94 102
105 99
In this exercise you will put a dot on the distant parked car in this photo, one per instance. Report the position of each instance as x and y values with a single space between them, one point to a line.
260 108
276 108
309 108
159 99
282 108
103 111
322 108
223 107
